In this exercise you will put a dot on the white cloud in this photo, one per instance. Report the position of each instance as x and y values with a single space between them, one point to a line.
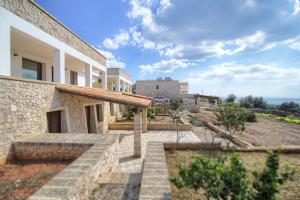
118 40
142 10
296 7
242 79
112 61
164 66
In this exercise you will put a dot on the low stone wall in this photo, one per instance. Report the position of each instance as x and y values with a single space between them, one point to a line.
192 146
76 180
155 178
151 127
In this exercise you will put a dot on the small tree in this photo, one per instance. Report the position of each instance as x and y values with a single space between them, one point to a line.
232 117
202 173
230 99
268 182
176 114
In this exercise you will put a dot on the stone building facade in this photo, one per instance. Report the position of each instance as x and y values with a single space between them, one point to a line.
167 87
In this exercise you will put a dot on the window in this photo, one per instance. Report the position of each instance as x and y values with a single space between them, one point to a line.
52 74
73 78
157 87
31 69
99 112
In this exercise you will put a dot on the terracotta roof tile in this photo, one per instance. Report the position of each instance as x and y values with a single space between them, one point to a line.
105 95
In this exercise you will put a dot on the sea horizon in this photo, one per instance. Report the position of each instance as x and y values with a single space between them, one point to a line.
273 100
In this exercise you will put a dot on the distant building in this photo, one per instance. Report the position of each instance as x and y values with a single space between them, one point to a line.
167 87
118 80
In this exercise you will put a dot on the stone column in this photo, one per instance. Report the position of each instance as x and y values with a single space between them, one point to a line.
104 81
144 121
59 66
117 84
216 103
88 75
123 86
137 123
5 49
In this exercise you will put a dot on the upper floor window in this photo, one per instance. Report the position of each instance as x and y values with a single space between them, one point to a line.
157 87
73 78
31 69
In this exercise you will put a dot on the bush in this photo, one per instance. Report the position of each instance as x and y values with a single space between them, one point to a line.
267 183
253 102
175 104
230 180
290 107
250 116
151 115
130 114
230 99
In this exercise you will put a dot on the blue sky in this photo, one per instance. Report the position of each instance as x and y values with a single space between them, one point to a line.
221 47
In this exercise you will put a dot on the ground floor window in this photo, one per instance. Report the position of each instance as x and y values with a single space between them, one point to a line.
54 122
31 69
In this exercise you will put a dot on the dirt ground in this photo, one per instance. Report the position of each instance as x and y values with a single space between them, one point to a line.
253 161
266 131
20 179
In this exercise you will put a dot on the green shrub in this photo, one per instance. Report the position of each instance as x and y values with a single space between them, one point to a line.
130 114
253 102
250 116
230 99
151 115
290 107
289 119
267 182
227 178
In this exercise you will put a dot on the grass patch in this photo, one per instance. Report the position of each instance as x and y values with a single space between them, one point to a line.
263 115
253 162
289 119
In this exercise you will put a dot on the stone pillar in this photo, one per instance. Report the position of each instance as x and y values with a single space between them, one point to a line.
5 49
123 86
104 81
144 121
59 66
216 103
88 75
137 123
117 84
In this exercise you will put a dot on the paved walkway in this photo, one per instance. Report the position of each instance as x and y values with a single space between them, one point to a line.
124 182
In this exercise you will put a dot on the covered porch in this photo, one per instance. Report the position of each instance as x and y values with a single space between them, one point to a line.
40 59
140 104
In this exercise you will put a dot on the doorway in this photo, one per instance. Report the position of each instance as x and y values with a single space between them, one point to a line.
54 121
90 119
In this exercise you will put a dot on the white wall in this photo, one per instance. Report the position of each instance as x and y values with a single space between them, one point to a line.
7 62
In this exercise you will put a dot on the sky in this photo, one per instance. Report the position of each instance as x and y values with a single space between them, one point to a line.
220 47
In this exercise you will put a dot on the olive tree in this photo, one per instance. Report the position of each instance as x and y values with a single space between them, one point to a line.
232 117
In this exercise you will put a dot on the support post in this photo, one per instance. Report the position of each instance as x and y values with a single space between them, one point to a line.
144 121
88 75
59 66
104 81
137 134
5 49
118 84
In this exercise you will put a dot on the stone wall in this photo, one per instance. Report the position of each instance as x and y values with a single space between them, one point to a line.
24 104
76 181
155 179
34 14
165 88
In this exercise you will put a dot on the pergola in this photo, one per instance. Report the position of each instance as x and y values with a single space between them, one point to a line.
140 103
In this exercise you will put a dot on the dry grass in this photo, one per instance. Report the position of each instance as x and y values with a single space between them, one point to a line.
253 161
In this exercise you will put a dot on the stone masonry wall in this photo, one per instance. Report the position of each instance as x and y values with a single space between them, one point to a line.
166 88
34 14
24 104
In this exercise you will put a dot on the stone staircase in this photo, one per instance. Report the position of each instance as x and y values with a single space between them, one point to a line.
117 185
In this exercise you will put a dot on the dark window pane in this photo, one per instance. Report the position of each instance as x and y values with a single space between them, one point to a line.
31 69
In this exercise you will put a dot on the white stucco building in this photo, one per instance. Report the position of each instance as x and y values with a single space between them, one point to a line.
118 80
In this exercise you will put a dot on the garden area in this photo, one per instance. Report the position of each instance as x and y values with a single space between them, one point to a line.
263 125
246 178
20 179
